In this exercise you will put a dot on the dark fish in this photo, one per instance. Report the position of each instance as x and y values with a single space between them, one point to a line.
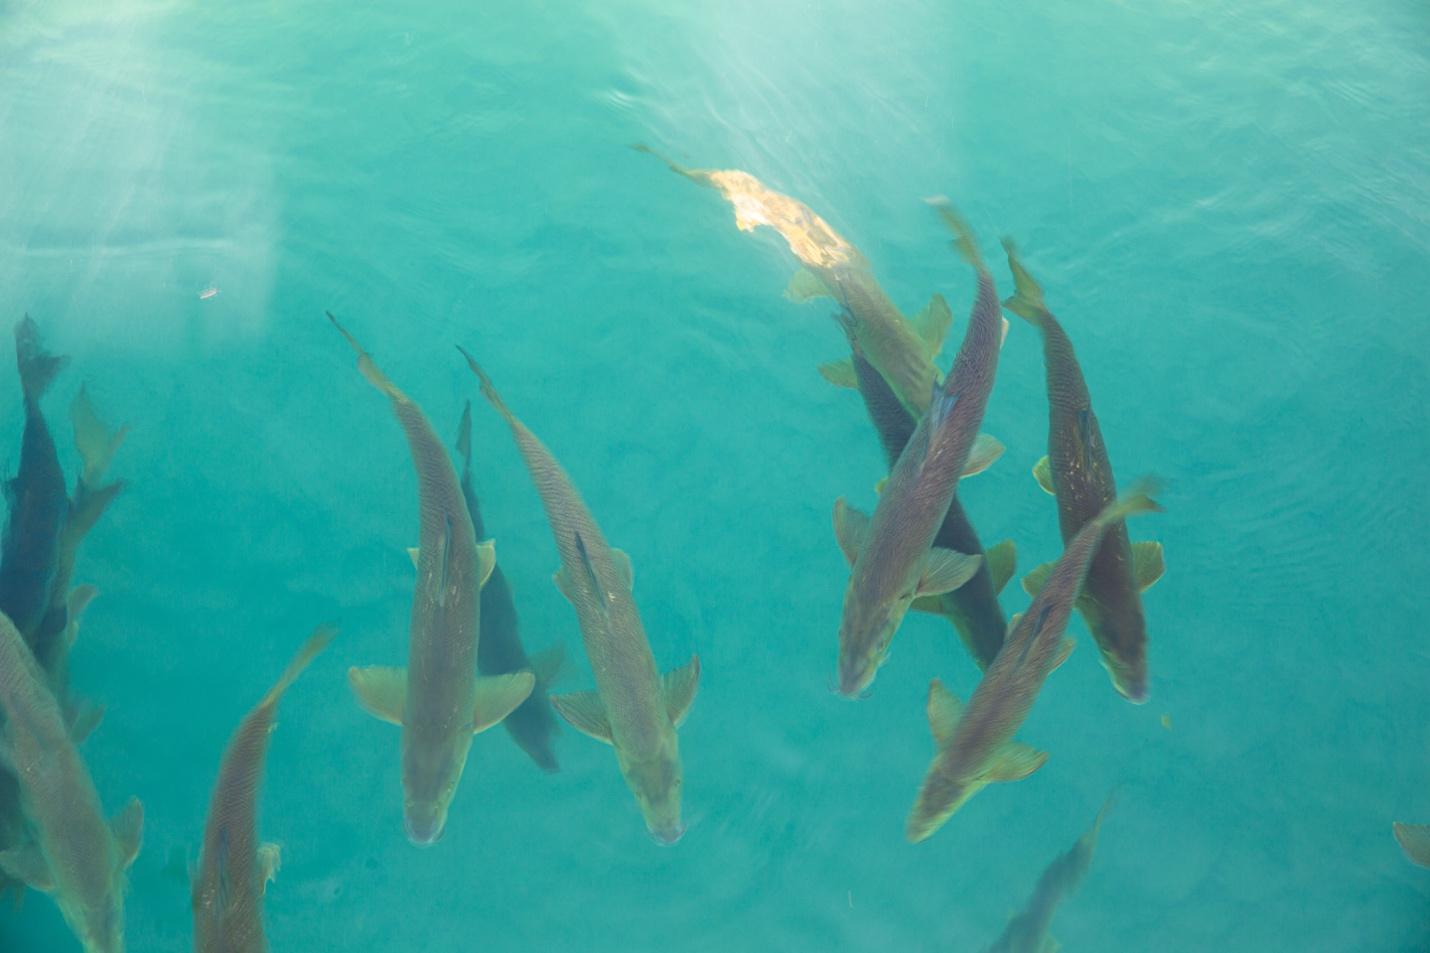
499 651
975 746
1078 472
234 870
634 708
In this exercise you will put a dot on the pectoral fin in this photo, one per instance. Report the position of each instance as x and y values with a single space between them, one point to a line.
839 373
933 322
1147 564
546 664
585 712
84 717
851 526
679 687
946 570
562 579
806 286
1002 560
1035 580
1043 473
1015 761
486 561
79 599
413 553
625 574
381 690
270 859
127 828
986 451
944 712
498 696
930 604
1065 648
27 864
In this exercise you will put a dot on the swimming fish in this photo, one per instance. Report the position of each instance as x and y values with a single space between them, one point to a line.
892 555
634 708
1415 841
1027 932
499 651
37 497
234 870
903 351
76 856
975 746
973 607
438 700
1078 472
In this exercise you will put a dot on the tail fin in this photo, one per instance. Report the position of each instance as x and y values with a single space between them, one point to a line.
38 367
88 506
1027 300
963 241
1134 501
96 443
318 641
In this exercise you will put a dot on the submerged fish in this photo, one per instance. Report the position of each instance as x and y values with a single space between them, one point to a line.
234 869
1415 841
1078 472
973 607
975 747
892 555
532 725
77 856
903 351
634 708
438 700
1027 932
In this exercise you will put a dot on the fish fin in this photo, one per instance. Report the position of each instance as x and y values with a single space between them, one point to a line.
963 241
625 574
805 285
89 505
1015 761
1013 621
1414 840
414 554
1136 500
84 717
79 599
309 650
1035 580
933 322
839 373
1001 560
95 442
127 827
985 452
546 664
946 570
1027 299
1049 945
678 686
486 561
562 579
1043 473
381 690
851 526
270 860
1065 648
879 486
498 696
585 712
27 864
1002 333
930 604
38 367
944 712
1147 564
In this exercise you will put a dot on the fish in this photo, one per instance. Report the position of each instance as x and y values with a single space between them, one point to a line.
1078 472
975 746
39 502
532 725
902 350
1027 932
634 708
439 701
892 555
1414 840
234 870
973 607
77 855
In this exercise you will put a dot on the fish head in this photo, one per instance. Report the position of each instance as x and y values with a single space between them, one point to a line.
865 631
656 784
1129 676
430 773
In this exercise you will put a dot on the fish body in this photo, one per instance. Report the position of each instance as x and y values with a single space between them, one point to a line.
234 870
438 700
532 725
1027 931
975 746
77 856
1078 472
891 553
634 708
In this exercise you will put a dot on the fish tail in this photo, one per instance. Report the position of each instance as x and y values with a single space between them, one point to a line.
1136 500
38 367
95 442
318 641
964 241
1027 299
89 505
489 390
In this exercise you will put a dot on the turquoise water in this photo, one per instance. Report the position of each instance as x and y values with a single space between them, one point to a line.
1229 207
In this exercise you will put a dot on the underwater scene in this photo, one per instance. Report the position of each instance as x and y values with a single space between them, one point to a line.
768 476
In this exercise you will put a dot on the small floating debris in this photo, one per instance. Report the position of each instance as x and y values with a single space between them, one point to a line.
209 292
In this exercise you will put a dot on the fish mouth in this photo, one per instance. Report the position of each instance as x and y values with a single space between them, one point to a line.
668 836
424 832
